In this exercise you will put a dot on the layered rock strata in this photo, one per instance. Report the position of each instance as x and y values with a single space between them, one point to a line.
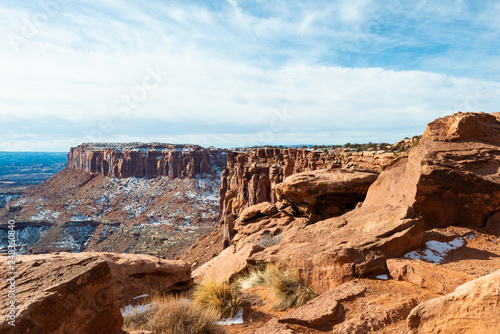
452 177
146 160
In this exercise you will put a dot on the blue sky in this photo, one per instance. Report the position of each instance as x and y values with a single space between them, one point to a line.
237 73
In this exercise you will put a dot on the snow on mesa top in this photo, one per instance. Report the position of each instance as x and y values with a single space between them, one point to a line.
143 147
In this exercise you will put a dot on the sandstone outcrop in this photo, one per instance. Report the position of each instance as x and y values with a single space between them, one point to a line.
146 160
426 275
323 308
251 177
303 198
452 177
226 265
473 308
61 295
83 292
333 251
323 194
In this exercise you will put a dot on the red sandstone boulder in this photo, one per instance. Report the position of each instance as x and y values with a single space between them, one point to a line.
262 209
473 308
226 265
61 294
427 275
323 308
325 193
452 177
333 251
137 274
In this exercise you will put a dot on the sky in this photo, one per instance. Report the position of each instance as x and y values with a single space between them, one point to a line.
241 73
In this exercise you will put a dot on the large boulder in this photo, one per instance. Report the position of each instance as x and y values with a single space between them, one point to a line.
323 308
427 275
226 265
473 308
325 193
83 292
452 177
60 295
338 249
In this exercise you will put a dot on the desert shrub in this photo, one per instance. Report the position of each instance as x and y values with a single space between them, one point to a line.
269 240
254 277
288 287
217 297
172 315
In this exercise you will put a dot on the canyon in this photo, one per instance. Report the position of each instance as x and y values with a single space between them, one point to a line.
405 239
140 198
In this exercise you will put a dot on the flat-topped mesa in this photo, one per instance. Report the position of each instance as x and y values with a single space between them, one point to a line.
147 160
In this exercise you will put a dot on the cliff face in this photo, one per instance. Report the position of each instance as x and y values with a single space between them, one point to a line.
250 177
146 160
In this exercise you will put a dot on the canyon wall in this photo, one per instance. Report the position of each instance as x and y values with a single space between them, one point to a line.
146 160
250 177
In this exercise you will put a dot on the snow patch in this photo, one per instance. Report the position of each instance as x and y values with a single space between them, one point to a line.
435 251
383 277
237 319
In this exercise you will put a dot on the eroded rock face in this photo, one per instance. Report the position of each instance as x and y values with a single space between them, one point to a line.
473 308
333 251
251 177
146 160
452 177
323 194
61 295
426 275
323 308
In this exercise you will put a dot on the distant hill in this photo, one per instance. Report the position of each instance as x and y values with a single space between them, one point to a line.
29 167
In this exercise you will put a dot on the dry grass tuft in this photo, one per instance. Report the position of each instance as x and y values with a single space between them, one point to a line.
255 277
172 315
289 288
217 297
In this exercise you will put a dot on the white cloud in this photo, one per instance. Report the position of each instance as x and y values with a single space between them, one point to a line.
229 71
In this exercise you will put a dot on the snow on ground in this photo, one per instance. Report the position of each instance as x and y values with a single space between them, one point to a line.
6 198
41 215
237 319
436 251
25 237
129 309
74 238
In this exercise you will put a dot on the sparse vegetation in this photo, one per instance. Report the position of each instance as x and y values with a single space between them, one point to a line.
172 315
287 285
217 298
255 277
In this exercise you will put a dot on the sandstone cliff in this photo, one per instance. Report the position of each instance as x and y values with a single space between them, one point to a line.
146 160
251 177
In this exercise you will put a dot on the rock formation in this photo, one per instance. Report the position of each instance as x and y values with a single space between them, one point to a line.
82 293
452 177
251 177
473 308
323 194
146 160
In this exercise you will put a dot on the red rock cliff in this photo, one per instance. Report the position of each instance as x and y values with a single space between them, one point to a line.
146 160
250 177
